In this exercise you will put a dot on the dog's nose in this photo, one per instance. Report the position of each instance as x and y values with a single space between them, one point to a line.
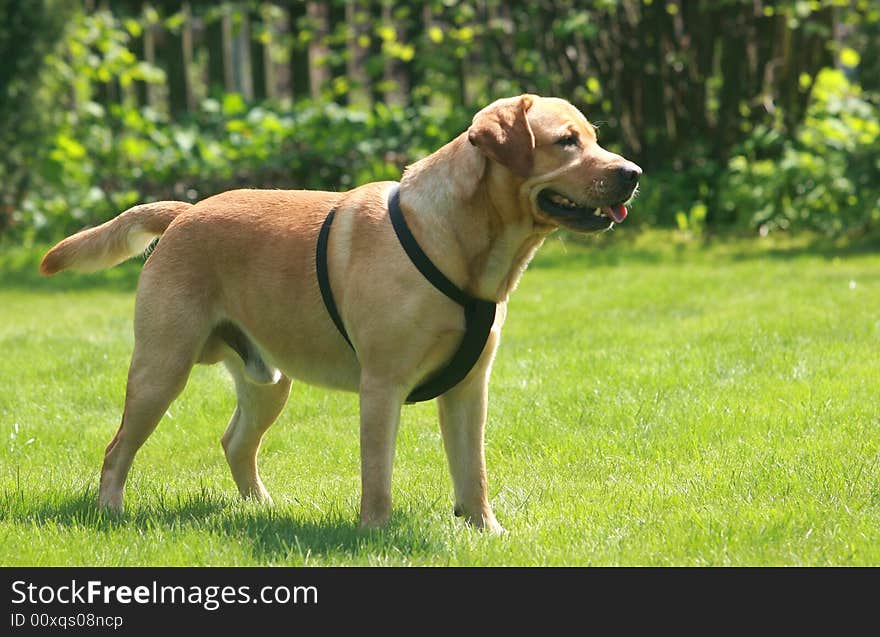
629 174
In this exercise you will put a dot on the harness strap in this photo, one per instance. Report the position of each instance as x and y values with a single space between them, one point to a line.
324 276
479 314
418 257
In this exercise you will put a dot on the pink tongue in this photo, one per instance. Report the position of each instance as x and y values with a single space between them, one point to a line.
618 212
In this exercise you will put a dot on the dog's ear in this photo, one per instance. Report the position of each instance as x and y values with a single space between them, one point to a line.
502 132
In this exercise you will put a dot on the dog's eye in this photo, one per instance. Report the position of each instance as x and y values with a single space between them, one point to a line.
568 141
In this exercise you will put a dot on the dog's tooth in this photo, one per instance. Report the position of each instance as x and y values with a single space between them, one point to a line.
562 200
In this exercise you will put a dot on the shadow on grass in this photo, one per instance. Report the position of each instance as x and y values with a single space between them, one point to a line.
271 533
822 247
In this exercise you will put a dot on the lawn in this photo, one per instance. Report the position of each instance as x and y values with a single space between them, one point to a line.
654 402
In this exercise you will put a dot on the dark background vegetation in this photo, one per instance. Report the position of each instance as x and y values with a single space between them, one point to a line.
747 115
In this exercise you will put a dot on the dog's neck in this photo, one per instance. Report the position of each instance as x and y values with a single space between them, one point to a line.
472 224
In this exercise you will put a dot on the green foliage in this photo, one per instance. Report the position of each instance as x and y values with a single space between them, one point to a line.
103 159
67 176
677 198
826 177
28 31
792 148
113 159
694 222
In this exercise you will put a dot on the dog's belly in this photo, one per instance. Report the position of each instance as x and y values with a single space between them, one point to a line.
305 359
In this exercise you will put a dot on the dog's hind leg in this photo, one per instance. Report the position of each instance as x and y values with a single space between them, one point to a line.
158 373
169 332
258 407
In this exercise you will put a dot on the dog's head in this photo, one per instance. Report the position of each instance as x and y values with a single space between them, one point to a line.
567 178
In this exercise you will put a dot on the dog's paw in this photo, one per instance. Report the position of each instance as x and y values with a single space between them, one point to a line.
256 493
494 528
485 521
111 504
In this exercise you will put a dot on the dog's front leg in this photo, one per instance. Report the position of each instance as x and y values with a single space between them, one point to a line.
380 416
463 421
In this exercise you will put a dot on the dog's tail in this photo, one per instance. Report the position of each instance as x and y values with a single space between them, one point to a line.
113 242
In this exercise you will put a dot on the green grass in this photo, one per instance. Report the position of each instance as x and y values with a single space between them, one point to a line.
653 403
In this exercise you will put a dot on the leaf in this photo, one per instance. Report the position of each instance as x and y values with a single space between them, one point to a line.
387 33
435 34
849 57
681 220
151 15
804 81
464 34
698 214
233 104
133 27
71 148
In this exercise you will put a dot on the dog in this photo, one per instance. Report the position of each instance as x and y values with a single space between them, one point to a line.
234 279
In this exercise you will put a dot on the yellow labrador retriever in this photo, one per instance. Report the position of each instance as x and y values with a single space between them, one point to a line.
237 278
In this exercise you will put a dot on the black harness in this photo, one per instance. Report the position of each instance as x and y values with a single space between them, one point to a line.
479 315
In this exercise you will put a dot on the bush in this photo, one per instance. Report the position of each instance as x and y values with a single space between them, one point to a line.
826 178
28 31
101 160
80 162
110 161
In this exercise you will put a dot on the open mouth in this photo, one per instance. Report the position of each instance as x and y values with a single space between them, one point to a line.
579 216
